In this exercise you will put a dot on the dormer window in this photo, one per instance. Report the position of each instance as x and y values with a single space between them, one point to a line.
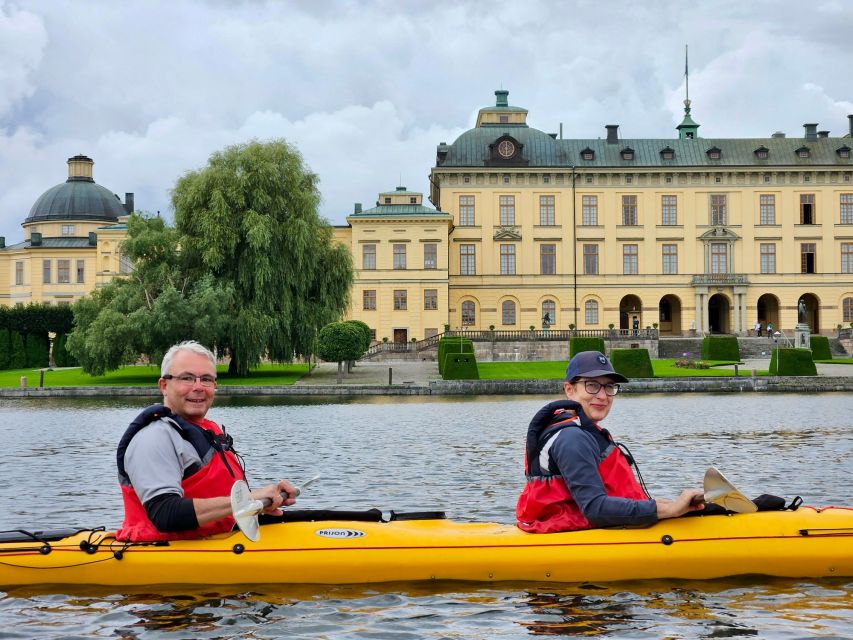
843 152
504 119
627 153
388 200
413 200
667 154
761 153
803 152
587 154
546 179
714 153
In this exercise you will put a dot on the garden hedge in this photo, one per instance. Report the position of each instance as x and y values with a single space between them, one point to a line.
452 344
460 366
820 348
792 362
720 348
578 344
632 363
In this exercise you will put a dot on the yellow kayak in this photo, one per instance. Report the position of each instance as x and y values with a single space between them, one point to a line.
808 542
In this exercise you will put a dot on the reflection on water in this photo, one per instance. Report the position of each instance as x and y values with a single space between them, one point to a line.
462 455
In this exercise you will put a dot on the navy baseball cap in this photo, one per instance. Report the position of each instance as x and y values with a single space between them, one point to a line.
591 364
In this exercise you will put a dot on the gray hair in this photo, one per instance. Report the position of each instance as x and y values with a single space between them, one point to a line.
187 345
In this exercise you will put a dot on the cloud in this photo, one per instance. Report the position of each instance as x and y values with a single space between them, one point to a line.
366 90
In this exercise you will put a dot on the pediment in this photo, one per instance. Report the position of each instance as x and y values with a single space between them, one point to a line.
507 233
719 233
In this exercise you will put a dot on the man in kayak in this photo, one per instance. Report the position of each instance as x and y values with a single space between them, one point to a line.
175 467
577 476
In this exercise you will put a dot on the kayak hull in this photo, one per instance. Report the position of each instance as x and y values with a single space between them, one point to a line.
806 543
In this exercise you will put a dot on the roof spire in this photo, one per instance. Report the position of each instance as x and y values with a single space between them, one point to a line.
688 129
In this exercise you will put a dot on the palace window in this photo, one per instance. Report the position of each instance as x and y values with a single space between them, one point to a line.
81 271
546 210
468 313
45 271
843 152
630 259
847 257
369 299
767 209
546 179
507 259
627 153
590 259
589 207
467 264
847 309
629 210
19 272
547 259
590 308
846 208
508 312
808 262
387 200
430 299
669 253
125 264
549 312
719 257
368 256
768 257
714 153
719 213
807 209
400 299
63 271
669 210
466 211
399 256
507 210
430 255
68 229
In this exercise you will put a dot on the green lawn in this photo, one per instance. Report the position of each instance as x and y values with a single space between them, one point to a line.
836 361
140 376
557 369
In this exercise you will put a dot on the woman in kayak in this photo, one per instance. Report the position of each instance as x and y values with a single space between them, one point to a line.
577 476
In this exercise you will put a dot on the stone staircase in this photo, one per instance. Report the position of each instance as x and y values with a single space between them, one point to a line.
750 347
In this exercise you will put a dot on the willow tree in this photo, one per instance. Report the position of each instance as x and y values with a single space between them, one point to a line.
249 219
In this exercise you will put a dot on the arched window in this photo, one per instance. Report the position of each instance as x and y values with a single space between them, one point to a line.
847 306
664 310
591 312
469 314
549 312
508 312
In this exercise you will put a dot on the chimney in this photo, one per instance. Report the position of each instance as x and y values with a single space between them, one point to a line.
811 131
823 134
501 96
357 208
2 242
850 118
35 239
777 134
612 133
128 202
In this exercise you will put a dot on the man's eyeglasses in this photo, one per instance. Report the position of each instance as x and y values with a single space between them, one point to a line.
594 386
188 379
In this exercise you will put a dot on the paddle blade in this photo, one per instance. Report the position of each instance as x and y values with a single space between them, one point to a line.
722 492
245 510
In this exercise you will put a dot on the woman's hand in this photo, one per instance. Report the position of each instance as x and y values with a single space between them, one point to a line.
281 494
681 505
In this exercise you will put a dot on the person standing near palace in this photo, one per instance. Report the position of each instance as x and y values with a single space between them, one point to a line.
578 477
175 467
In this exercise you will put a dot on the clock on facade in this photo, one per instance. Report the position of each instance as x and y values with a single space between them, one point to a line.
506 149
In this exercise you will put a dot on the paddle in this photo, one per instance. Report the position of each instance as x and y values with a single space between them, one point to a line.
722 492
245 510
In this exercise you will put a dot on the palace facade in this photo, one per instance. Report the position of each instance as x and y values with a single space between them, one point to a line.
689 235
71 242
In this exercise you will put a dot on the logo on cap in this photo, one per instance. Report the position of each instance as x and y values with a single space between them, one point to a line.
602 359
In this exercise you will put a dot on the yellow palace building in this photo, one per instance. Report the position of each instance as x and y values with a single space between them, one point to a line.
689 235
71 242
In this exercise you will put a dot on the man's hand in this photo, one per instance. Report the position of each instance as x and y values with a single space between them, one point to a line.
281 494
679 506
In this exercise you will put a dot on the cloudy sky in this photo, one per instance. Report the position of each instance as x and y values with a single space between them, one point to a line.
366 90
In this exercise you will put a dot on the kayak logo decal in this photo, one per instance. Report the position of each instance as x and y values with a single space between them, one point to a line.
340 534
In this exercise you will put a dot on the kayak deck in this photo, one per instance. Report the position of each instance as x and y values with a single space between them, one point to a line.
808 542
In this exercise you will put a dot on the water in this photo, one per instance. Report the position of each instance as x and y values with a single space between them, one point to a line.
460 455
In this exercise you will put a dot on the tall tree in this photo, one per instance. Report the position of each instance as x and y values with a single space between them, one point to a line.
339 342
249 218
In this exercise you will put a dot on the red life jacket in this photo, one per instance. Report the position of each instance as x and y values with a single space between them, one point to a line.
219 469
546 504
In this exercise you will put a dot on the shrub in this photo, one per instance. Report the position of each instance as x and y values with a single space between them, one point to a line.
452 344
37 348
792 362
578 344
720 348
365 330
689 363
632 363
820 348
18 356
5 348
460 366
61 357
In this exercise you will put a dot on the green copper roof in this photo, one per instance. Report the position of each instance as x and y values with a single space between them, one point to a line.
396 210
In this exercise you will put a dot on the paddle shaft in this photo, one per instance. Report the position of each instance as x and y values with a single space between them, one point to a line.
267 502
